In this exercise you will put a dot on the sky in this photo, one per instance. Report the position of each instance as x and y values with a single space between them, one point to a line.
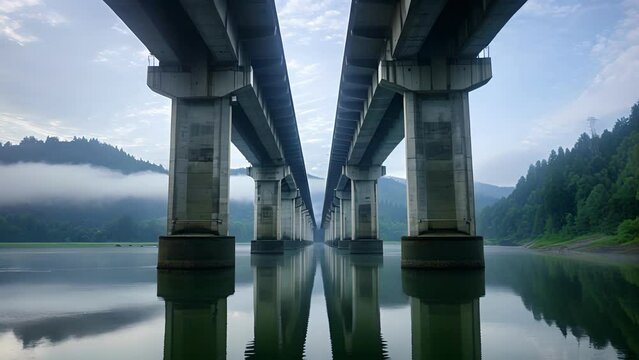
72 68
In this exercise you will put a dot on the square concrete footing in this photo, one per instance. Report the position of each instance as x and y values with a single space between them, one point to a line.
267 247
366 246
293 244
344 244
454 251
189 252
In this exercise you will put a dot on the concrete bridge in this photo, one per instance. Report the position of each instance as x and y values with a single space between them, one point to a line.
222 64
407 70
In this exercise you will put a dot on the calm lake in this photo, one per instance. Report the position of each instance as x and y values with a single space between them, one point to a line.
317 303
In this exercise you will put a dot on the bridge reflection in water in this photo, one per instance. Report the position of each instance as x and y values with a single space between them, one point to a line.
444 308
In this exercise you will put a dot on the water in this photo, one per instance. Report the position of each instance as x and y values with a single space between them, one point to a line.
111 303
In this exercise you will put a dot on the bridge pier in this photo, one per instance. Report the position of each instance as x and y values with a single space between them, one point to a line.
268 210
198 186
365 238
345 214
439 176
288 219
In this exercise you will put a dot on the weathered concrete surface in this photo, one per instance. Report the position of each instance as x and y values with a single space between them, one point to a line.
196 251
452 251
267 247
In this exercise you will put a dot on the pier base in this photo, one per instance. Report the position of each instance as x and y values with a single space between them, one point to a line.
196 252
267 247
443 251
366 246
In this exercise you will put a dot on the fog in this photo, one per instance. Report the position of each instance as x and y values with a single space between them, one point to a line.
27 183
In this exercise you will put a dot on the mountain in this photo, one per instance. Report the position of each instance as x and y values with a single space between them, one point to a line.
392 204
76 151
144 219
588 192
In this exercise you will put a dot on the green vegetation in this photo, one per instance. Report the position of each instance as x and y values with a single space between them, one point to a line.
76 151
588 192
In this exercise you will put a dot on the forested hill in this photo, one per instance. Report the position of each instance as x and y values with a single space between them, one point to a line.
77 151
591 189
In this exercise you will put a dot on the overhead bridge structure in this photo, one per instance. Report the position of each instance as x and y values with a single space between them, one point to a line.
407 70
222 64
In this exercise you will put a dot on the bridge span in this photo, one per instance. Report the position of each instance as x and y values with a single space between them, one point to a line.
223 65
407 70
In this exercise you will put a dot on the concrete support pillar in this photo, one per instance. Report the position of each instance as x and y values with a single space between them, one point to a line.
288 218
441 211
444 324
337 236
298 219
364 208
198 186
267 215
345 214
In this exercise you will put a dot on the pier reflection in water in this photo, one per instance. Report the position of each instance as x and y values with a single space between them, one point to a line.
317 303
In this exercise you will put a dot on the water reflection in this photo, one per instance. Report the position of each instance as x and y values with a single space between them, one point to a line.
103 303
282 287
195 313
594 301
351 288
444 307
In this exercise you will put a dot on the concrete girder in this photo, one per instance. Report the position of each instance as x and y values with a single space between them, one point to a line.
216 26
411 25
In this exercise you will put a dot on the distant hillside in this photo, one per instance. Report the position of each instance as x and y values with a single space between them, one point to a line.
586 192
76 151
392 204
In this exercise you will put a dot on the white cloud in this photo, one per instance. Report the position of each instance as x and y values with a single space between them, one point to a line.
299 18
550 8
14 13
17 126
610 92
10 6
123 55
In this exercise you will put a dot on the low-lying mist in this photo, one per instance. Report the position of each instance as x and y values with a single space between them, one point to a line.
29 183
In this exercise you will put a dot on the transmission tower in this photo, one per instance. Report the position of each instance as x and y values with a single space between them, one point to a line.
593 130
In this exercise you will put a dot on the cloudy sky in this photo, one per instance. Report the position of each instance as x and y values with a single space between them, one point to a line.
71 68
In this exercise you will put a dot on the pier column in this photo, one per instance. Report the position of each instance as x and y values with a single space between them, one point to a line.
298 219
288 217
267 215
441 210
201 116
345 214
337 235
439 171
364 208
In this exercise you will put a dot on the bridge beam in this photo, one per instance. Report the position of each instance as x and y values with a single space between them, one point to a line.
268 208
365 228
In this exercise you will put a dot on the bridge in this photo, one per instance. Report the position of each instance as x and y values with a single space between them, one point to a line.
407 70
223 65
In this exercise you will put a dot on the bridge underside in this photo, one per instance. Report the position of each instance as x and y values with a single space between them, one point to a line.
222 63
407 70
